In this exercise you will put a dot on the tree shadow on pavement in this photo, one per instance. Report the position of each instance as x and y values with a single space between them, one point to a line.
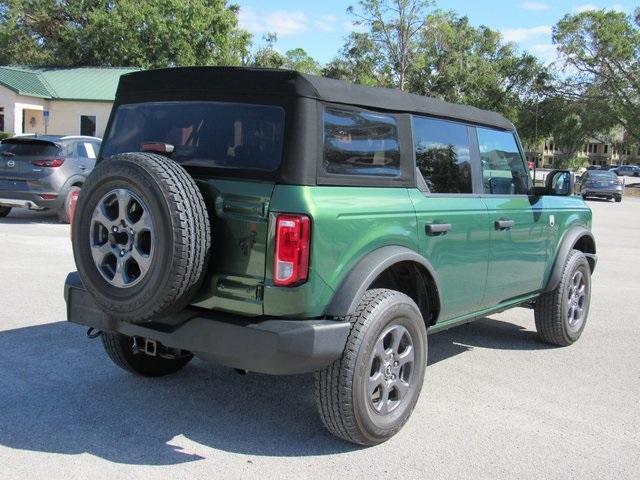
59 393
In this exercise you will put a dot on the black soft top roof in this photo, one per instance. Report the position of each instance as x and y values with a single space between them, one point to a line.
288 83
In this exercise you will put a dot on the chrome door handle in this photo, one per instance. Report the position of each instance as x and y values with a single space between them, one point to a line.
504 224
433 229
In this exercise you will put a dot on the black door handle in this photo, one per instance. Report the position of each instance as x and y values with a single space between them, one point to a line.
504 224
433 229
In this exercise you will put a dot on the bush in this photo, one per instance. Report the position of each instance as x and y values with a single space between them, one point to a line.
4 135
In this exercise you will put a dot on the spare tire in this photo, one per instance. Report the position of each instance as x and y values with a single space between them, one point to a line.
141 236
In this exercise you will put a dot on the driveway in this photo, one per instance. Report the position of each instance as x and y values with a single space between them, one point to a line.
497 403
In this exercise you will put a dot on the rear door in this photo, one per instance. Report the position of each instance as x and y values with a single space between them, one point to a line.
453 224
517 221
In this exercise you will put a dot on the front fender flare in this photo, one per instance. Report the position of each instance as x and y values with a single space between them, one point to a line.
568 242
363 274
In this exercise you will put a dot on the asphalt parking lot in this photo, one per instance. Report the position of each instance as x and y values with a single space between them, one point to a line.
497 403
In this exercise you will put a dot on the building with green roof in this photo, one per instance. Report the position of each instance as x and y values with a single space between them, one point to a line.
57 101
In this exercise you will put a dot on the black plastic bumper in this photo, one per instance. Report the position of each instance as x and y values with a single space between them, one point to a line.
274 346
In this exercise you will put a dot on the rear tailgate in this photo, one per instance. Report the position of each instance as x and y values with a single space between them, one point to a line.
239 226
17 157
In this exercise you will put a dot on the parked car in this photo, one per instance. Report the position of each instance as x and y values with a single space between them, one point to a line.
283 223
627 170
44 172
602 184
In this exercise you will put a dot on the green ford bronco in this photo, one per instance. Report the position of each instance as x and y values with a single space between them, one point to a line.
283 223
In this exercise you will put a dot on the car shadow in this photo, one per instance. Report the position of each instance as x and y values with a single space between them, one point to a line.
24 217
59 393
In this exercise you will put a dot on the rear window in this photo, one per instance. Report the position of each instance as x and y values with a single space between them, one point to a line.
204 134
29 149
602 175
360 143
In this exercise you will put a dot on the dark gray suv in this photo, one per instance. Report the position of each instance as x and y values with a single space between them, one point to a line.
44 172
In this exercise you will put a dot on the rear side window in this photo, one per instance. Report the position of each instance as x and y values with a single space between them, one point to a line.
204 134
360 143
29 149
443 155
503 169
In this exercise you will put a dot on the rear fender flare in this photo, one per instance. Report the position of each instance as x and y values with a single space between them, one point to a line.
363 274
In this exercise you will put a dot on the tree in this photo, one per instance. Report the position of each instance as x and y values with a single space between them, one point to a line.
144 33
360 62
393 26
601 50
298 59
267 56
461 63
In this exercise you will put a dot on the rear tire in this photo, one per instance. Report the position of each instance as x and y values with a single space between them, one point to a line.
561 314
64 212
4 211
367 395
120 350
141 236
618 199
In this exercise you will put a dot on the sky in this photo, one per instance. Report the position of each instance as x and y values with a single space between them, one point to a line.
320 27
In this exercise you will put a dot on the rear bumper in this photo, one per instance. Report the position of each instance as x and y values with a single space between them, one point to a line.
29 200
603 193
273 346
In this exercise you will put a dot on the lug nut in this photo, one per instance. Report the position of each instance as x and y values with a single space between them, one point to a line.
395 364
114 229
122 253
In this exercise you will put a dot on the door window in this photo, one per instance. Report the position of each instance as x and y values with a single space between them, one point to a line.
443 155
503 168
360 143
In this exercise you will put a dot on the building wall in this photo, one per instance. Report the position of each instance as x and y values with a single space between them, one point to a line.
64 115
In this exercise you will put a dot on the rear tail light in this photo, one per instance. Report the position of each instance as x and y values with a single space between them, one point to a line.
291 260
56 162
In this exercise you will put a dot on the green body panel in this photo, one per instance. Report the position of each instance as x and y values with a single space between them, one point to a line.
519 255
239 226
478 269
459 257
347 223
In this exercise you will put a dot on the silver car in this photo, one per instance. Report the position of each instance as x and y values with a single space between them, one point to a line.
44 172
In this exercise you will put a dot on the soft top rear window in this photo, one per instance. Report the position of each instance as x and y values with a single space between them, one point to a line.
28 148
204 134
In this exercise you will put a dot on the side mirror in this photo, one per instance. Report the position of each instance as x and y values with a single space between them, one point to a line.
559 183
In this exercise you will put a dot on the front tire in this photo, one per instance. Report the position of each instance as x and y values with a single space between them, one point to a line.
120 350
367 395
4 211
561 314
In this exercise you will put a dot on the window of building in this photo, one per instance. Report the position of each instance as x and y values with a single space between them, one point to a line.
360 143
1 119
503 169
443 155
606 149
88 125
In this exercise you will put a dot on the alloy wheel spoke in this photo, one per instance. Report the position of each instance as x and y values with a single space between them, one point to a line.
402 388
406 357
143 261
120 277
144 222
98 252
383 403
374 382
123 202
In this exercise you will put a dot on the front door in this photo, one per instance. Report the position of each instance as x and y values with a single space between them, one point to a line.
518 222
453 224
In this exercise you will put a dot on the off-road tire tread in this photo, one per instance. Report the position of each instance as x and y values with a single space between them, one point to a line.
114 345
333 385
548 308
